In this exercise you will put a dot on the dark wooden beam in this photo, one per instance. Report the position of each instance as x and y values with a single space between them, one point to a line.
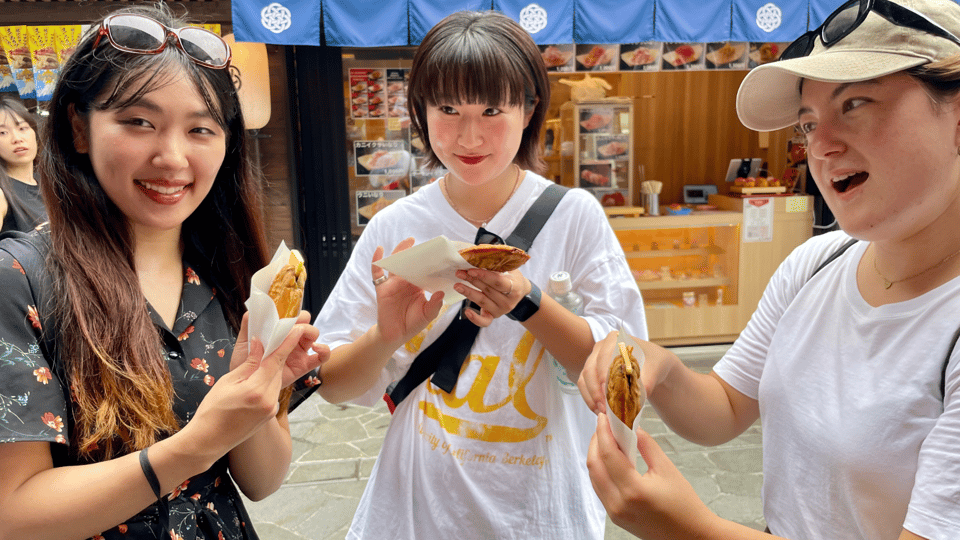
84 11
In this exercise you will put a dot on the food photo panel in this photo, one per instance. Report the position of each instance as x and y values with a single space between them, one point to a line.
726 55
369 202
596 120
381 158
594 175
764 53
558 58
396 92
640 56
680 56
613 147
598 57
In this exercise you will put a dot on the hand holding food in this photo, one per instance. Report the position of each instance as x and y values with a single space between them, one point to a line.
624 393
286 291
498 258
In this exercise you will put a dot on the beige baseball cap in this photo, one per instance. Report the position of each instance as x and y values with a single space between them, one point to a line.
769 96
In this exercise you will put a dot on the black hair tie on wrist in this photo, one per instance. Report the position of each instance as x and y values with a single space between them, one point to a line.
155 486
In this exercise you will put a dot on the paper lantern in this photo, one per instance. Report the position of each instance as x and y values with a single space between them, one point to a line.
251 60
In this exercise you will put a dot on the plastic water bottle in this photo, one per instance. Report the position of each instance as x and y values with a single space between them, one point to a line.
561 290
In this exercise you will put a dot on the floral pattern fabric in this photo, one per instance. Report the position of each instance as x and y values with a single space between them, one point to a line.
197 349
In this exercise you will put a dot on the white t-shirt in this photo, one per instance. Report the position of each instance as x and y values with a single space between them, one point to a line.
854 442
504 455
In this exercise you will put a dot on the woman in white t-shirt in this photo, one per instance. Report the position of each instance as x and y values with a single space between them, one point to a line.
852 370
501 454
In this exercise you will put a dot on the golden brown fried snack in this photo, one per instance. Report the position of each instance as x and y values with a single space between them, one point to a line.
499 258
286 291
624 394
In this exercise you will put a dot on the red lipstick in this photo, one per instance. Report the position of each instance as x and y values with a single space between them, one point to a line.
471 160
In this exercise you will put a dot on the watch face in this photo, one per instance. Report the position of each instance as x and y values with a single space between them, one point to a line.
527 306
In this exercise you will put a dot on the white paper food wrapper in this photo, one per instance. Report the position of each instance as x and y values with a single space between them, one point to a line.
264 322
431 265
626 435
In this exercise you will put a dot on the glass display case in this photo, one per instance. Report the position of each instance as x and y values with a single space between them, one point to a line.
591 146
687 268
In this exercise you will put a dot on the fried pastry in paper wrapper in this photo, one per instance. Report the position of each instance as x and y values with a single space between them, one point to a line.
265 323
625 392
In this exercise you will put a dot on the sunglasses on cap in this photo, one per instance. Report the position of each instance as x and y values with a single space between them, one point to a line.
850 15
140 34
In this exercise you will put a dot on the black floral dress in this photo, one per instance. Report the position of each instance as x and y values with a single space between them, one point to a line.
197 349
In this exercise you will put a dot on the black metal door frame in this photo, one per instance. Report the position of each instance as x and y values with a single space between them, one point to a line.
322 198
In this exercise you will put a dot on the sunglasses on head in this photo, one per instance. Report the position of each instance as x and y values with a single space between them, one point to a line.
850 15
140 34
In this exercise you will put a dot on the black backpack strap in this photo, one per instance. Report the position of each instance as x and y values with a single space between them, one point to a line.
445 356
943 371
538 214
833 256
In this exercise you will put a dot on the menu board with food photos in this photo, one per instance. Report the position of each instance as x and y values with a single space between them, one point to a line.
640 56
558 58
603 150
598 57
368 93
658 56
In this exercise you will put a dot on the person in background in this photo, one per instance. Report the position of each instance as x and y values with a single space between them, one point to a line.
852 370
501 455
154 233
21 207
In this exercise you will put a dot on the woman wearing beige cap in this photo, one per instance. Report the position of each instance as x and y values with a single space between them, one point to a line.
851 362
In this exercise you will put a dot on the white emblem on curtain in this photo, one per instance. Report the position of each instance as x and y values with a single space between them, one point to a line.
769 17
275 18
533 18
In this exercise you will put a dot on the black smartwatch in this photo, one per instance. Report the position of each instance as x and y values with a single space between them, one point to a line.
528 305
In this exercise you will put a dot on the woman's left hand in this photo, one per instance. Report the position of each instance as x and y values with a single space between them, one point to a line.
305 356
659 504
497 293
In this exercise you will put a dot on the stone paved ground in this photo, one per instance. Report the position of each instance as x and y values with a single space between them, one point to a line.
335 446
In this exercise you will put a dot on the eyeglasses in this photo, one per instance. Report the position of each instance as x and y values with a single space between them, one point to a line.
850 15
140 34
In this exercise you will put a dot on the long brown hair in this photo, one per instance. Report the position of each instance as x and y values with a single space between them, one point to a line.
484 58
110 348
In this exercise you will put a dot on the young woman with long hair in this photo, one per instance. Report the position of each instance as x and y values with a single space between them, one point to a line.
154 233
21 207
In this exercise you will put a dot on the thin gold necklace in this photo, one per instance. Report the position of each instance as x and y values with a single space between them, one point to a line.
889 283
482 222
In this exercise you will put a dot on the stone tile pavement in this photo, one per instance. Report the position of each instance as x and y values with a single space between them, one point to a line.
335 446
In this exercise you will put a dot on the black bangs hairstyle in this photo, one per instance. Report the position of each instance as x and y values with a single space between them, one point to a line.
480 58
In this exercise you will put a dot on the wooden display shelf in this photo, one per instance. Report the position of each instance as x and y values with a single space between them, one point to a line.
662 253
758 190
683 283
624 211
